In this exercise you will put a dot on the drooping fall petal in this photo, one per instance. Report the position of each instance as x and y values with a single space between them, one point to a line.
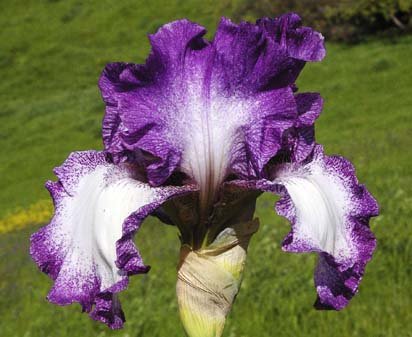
329 211
87 248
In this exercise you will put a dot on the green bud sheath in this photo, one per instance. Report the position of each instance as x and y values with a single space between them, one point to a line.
209 280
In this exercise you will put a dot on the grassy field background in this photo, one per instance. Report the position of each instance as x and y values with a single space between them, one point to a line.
51 55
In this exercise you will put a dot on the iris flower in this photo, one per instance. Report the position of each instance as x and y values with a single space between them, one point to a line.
193 137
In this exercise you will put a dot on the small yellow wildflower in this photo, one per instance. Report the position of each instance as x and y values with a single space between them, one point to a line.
37 213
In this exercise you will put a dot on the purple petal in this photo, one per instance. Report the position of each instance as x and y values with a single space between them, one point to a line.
302 43
300 139
309 108
116 77
139 97
270 54
208 109
87 248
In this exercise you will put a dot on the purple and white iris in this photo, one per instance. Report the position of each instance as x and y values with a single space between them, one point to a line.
193 136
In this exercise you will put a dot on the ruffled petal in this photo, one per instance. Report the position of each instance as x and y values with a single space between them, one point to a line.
87 248
143 101
299 140
209 109
329 212
301 43
117 77
270 54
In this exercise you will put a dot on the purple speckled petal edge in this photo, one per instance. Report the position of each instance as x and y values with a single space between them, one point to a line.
79 273
337 277
128 257
340 268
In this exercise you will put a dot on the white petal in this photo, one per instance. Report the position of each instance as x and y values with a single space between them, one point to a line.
79 248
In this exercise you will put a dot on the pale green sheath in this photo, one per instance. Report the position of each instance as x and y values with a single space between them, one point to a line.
209 280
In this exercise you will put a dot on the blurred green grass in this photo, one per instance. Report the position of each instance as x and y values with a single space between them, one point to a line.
51 54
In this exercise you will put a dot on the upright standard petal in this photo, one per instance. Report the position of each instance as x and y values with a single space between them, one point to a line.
270 54
208 109
329 212
87 248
